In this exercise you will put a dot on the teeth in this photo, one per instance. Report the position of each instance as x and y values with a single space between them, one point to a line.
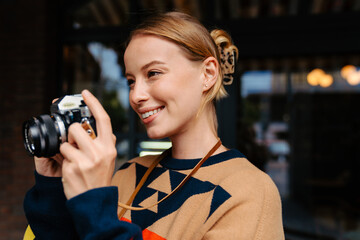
150 113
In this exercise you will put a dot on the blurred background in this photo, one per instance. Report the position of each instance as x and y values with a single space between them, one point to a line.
293 108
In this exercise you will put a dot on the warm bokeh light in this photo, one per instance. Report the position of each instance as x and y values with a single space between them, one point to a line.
351 74
315 76
347 70
326 80
354 78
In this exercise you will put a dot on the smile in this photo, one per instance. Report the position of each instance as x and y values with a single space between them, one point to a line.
150 113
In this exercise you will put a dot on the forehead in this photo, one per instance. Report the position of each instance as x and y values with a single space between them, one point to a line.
149 46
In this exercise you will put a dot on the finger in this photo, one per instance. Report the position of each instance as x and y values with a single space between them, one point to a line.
103 123
70 153
78 137
54 100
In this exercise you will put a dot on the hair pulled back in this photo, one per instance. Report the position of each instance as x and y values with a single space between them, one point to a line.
198 44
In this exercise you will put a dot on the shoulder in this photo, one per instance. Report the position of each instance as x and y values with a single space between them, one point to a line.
254 202
255 191
256 197
245 179
241 179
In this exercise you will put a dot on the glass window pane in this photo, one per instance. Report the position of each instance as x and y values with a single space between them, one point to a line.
302 127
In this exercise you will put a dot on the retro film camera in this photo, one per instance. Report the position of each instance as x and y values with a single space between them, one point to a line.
44 134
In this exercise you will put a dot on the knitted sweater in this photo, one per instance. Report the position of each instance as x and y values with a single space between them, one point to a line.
227 198
89 216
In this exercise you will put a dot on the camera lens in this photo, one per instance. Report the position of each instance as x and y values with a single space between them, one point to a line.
41 136
30 139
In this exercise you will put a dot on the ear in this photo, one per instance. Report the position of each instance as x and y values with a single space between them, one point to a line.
210 72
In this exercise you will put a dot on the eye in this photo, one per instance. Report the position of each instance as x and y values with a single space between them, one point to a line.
130 82
153 73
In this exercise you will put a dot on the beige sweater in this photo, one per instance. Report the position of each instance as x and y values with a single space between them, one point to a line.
228 198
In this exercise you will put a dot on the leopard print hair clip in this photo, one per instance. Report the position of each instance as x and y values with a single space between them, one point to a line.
227 62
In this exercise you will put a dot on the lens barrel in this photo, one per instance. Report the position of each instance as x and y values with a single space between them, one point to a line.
41 136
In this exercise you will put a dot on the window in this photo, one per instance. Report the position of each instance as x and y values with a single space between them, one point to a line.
302 127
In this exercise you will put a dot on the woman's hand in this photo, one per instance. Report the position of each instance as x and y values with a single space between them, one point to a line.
49 167
88 163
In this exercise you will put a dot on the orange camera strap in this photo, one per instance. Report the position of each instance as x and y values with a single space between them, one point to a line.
147 173
86 125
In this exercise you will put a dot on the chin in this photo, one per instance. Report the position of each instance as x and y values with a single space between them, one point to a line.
153 134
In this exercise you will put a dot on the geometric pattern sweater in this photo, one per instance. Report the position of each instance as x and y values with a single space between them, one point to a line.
227 198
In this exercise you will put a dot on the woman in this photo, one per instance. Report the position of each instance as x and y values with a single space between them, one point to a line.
198 189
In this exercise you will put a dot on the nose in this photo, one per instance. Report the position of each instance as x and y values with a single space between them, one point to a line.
139 93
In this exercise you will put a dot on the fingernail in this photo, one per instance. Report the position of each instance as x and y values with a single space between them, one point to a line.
86 92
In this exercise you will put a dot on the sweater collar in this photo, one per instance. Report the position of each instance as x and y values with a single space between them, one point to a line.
185 164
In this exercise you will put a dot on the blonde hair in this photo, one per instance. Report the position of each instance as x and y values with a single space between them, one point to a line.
196 41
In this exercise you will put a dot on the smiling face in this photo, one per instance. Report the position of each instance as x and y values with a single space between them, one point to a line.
165 87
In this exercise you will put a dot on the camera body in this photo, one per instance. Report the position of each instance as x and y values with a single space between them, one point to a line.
44 134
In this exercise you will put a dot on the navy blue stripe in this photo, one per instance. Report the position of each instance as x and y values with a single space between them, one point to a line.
184 164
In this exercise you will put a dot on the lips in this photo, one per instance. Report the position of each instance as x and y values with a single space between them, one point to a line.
148 114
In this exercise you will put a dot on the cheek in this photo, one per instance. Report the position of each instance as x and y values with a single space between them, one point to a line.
187 101
131 102
161 93
181 94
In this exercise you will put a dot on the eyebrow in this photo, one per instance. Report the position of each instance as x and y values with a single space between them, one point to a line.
147 66
152 63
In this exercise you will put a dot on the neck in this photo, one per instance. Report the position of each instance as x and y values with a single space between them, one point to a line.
197 141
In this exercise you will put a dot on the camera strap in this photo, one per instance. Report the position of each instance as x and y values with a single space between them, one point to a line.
149 170
86 125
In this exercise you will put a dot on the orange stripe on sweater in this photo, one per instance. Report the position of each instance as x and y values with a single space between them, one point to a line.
147 234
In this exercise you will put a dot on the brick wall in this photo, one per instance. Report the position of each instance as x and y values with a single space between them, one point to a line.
28 80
